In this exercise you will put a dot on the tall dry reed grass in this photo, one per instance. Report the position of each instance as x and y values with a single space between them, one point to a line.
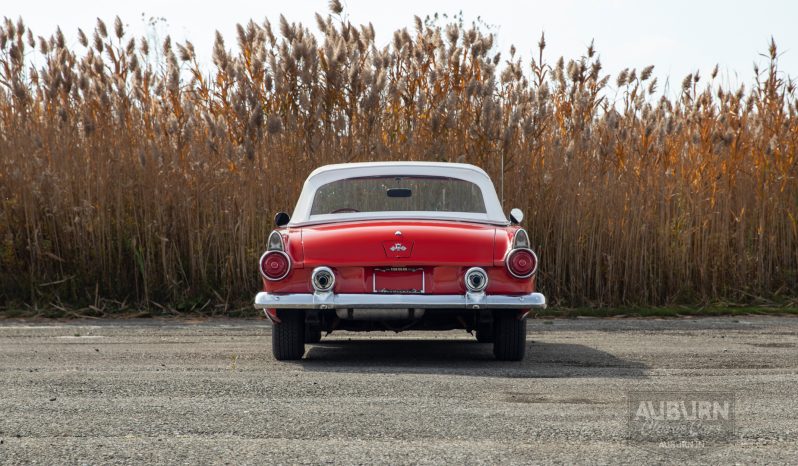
127 179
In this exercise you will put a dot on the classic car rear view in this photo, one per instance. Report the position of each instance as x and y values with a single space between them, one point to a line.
393 246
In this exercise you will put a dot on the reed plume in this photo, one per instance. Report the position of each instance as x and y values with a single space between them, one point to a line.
140 178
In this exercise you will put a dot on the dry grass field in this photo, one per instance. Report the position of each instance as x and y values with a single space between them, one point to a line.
130 177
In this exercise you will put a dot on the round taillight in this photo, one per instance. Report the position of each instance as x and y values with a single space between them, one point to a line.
275 265
522 263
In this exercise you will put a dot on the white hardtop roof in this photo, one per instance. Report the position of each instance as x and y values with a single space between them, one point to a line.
377 165
330 173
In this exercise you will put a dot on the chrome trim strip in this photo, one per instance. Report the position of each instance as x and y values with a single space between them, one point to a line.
264 300
309 223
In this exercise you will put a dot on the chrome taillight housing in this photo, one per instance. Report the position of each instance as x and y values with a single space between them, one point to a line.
521 261
521 239
275 265
275 242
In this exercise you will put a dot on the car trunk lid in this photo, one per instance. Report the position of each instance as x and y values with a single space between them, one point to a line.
398 243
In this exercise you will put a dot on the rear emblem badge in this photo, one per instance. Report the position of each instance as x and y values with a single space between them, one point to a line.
398 248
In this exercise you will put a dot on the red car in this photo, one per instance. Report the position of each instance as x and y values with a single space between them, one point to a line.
398 246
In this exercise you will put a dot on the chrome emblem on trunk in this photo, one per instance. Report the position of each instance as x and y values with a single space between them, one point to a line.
398 247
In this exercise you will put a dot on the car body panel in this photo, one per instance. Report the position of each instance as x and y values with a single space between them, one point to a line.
438 280
420 243
445 250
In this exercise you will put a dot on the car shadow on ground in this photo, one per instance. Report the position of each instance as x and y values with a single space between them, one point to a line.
464 357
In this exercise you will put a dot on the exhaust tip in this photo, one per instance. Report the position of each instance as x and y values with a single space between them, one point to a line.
323 279
476 279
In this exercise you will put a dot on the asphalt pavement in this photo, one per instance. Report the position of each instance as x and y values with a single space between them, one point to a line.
209 392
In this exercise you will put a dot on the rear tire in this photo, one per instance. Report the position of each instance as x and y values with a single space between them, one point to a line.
288 337
509 342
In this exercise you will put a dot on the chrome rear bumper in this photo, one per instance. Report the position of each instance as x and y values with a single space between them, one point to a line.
264 300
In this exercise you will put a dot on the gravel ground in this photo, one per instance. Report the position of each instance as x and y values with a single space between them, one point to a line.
167 391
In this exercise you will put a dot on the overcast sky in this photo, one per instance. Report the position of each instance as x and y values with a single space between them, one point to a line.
678 36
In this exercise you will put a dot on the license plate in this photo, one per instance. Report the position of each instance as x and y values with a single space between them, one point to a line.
399 280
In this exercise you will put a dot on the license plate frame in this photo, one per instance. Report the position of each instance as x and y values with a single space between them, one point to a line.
409 275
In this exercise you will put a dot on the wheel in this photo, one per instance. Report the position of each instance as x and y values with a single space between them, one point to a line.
509 342
312 334
484 334
288 337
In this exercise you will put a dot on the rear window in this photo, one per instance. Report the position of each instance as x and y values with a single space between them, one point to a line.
398 194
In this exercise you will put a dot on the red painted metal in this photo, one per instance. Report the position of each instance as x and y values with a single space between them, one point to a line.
272 315
444 249
433 243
